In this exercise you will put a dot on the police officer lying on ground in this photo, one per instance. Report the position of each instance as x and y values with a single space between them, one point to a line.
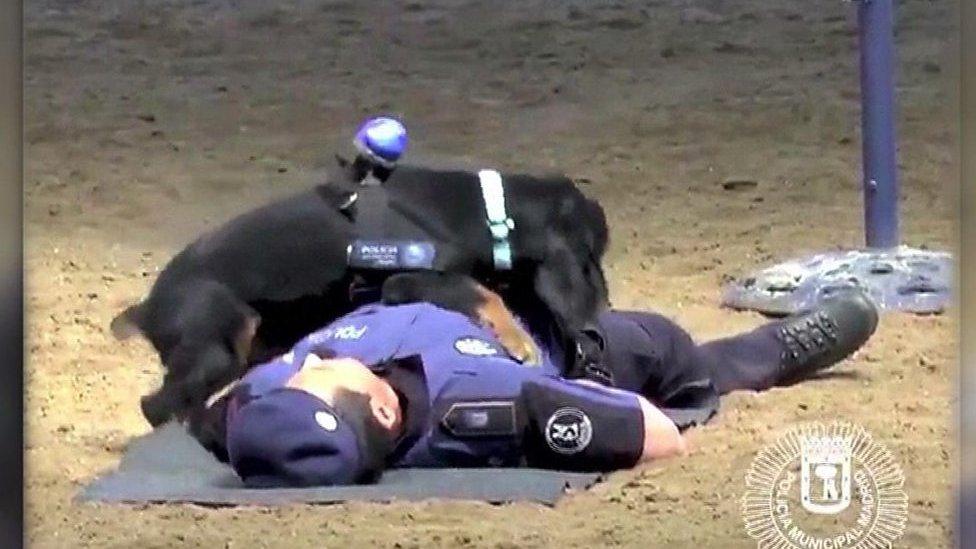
418 386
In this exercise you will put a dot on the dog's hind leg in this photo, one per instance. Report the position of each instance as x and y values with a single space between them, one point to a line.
161 405
195 371
216 331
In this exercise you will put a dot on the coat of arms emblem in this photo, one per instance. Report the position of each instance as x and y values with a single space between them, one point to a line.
825 477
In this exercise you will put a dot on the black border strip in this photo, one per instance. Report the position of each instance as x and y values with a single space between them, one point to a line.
11 275
966 285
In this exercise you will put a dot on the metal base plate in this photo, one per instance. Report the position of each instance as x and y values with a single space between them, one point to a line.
902 279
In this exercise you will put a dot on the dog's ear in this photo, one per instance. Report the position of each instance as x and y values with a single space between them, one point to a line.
129 322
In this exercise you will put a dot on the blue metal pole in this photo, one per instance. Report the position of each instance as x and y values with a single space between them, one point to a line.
896 277
876 34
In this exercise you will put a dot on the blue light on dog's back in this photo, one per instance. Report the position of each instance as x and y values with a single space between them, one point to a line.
382 137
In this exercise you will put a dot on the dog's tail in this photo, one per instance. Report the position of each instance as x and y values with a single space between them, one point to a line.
129 322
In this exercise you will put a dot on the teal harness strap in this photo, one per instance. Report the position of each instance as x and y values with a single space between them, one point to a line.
499 223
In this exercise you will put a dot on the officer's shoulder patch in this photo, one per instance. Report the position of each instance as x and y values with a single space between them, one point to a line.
326 420
569 431
474 346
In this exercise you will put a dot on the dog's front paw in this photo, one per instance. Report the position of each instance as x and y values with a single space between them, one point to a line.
493 313
518 343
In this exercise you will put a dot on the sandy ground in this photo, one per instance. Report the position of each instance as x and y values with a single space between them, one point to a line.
148 122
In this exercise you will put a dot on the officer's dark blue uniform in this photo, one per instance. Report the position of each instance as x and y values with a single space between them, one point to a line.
467 403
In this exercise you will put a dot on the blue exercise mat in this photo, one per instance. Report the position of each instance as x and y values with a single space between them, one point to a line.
168 466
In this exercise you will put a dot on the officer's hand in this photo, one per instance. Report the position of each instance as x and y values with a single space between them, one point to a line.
661 435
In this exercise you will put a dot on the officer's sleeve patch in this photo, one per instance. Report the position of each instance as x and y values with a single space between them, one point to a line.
480 419
568 431
577 427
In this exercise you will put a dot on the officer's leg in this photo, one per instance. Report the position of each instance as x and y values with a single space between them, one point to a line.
789 350
649 354
780 352
749 361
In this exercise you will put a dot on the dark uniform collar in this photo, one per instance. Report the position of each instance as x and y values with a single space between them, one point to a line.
406 376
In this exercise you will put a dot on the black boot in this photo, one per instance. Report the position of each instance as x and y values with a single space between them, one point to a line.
824 336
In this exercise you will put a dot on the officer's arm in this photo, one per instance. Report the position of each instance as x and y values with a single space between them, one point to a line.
580 426
661 436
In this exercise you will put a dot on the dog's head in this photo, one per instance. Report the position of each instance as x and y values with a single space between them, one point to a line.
597 235
594 239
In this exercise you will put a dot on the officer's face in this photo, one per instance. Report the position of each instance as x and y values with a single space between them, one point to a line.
323 378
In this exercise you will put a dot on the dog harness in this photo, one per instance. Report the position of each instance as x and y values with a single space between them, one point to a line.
392 247
395 242
500 225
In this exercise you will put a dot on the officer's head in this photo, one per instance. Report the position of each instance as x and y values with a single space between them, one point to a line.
335 422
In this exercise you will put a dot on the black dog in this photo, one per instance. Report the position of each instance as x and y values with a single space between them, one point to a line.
253 287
